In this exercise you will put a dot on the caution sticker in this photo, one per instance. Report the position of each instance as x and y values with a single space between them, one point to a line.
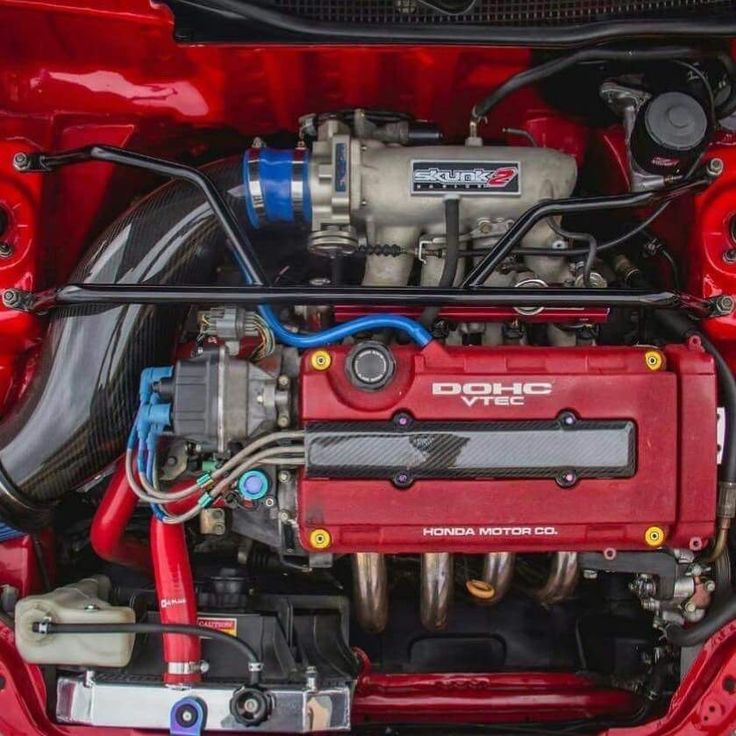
219 623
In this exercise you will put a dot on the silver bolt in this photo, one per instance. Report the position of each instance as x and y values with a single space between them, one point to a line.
283 421
219 529
6 250
710 586
729 256
590 574
311 678
724 304
283 381
268 502
284 516
11 298
715 166
284 476
21 161
691 607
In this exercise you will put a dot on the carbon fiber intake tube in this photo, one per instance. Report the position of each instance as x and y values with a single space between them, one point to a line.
75 417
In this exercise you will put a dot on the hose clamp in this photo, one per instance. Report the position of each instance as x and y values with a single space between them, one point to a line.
726 508
298 184
184 668
255 187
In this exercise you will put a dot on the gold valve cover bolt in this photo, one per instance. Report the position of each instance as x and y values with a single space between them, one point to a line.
320 539
654 536
320 360
654 360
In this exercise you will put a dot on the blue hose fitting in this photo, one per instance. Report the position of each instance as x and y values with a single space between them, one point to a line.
277 186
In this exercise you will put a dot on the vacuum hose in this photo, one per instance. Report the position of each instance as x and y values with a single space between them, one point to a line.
75 417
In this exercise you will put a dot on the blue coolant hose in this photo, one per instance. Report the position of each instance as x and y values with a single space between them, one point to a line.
334 334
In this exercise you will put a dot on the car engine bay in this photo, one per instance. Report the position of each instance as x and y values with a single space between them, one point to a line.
406 402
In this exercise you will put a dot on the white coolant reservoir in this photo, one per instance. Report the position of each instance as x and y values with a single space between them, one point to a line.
80 603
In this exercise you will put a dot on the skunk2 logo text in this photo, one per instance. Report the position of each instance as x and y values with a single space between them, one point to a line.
468 177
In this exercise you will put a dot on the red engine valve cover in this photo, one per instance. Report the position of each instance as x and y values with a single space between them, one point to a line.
666 399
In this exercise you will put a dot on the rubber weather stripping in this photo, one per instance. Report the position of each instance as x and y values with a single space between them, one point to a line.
697 27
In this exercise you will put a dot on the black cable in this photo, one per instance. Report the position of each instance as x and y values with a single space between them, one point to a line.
592 249
674 268
452 256
555 66
727 383
712 114
41 563
336 270
718 616
50 627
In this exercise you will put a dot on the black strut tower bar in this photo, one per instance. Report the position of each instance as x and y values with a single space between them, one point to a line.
470 292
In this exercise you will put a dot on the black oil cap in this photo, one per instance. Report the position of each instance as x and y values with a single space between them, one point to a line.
370 365
676 121
671 131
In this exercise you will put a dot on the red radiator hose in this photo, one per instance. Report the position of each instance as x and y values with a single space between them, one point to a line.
177 601
107 534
